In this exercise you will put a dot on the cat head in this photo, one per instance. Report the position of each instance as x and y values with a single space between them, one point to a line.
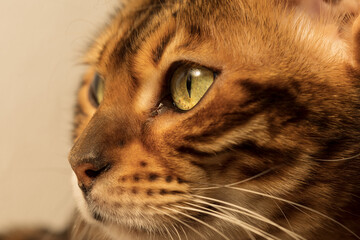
217 118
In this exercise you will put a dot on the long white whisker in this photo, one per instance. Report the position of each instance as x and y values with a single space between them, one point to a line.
233 221
200 221
251 236
168 232
178 220
252 214
216 186
184 233
282 212
225 213
207 188
176 231
251 178
296 204
339 159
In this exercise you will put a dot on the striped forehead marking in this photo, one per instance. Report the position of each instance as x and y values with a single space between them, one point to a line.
151 34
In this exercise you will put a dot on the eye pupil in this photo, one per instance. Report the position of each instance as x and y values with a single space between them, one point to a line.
188 84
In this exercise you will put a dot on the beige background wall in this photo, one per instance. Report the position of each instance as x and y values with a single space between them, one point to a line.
41 42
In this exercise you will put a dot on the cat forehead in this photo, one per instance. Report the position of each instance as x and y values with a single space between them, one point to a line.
135 22
241 31
138 20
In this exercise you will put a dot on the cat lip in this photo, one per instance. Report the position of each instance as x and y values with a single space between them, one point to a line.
135 228
138 223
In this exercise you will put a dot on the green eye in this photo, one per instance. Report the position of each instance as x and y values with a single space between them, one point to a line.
189 84
96 92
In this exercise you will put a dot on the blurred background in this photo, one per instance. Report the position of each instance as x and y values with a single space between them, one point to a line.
41 44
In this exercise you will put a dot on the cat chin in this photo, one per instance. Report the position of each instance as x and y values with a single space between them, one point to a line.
115 232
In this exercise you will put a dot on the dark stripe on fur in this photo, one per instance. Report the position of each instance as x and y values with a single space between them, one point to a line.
194 152
136 34
267 158
159 50
229 122
280 103
270 155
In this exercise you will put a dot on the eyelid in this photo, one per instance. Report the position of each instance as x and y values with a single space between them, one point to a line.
175 65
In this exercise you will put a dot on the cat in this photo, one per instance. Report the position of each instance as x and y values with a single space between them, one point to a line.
220 119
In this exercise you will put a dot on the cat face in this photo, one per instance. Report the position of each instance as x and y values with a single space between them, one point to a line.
215 119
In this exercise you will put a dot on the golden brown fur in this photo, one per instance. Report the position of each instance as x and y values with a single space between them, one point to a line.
270 152
286 97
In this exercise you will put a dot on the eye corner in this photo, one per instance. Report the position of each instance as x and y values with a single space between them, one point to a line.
216 74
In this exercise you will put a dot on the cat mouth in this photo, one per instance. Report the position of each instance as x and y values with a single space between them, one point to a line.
142 220
137 225
134 218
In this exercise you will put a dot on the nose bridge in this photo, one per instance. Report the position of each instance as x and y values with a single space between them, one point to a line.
105 130
88 146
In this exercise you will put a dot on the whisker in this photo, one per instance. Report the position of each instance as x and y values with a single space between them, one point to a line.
176 231
229 204
178 220
251 236
199 221
252 215
339 159
221 210
253 177
207 188
216 186
296 204
282 212
168 232
233 221
184 233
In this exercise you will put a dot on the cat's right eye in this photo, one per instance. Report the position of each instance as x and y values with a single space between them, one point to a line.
189 84
96 91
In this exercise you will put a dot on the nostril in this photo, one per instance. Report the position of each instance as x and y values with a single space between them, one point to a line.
94 173
88 172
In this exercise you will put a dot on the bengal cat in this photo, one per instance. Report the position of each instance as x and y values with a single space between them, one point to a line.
220 119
